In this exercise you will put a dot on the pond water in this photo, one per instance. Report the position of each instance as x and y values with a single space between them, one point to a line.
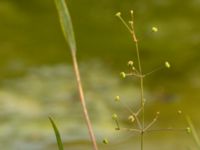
26 103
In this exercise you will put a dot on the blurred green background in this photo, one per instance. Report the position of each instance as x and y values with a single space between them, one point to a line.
37 80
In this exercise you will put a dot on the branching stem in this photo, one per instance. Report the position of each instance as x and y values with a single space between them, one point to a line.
141 85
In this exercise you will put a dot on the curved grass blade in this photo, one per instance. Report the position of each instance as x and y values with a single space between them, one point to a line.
58 137
66 24
193 131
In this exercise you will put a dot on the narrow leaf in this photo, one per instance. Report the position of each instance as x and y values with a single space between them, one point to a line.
66 24
58 138
193 131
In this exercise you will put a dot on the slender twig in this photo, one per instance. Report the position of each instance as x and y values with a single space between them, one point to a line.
127 108
134 74
138 121
67 28
139 110
167 129
117 123
151 123
135 115
130 129
193 131
140 75
141 87
125 24
82 99
149 73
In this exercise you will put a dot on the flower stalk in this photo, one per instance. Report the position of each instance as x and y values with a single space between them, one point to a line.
137 72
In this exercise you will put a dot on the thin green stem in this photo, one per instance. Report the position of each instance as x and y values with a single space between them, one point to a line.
133 130
133 74
127 107
140 74
117 123
142 140
141 88
151 124
138 121
149 73
193 131
125 24
138 112
167 129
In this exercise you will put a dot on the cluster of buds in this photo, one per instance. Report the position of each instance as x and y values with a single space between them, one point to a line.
133 71
137 72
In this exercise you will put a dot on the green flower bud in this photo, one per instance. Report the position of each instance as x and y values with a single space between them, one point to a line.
131 118
114 116
131 11
130 22
117 98
179 112
123 74
167 64
105 141
118 14
154 29
188 130
157 113
130 63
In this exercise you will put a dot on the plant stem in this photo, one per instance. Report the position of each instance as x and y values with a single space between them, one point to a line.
141 88
193 130
142 140
83 104
141 76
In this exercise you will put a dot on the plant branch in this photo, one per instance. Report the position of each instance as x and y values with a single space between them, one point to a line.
141 84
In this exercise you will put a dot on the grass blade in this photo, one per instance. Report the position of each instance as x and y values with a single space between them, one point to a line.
67 28
66 24
193 131
58 137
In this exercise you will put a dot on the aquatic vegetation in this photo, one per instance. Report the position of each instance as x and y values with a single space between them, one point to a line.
66 24
58 137
52 92
137 118
193 131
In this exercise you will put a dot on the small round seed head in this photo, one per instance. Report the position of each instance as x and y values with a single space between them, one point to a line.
130 22
114 116
154 29
133 68
118 14
123 74
130 63
105 141
157 113
167 64
188 130
117 98
179 112
131 11
131 118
